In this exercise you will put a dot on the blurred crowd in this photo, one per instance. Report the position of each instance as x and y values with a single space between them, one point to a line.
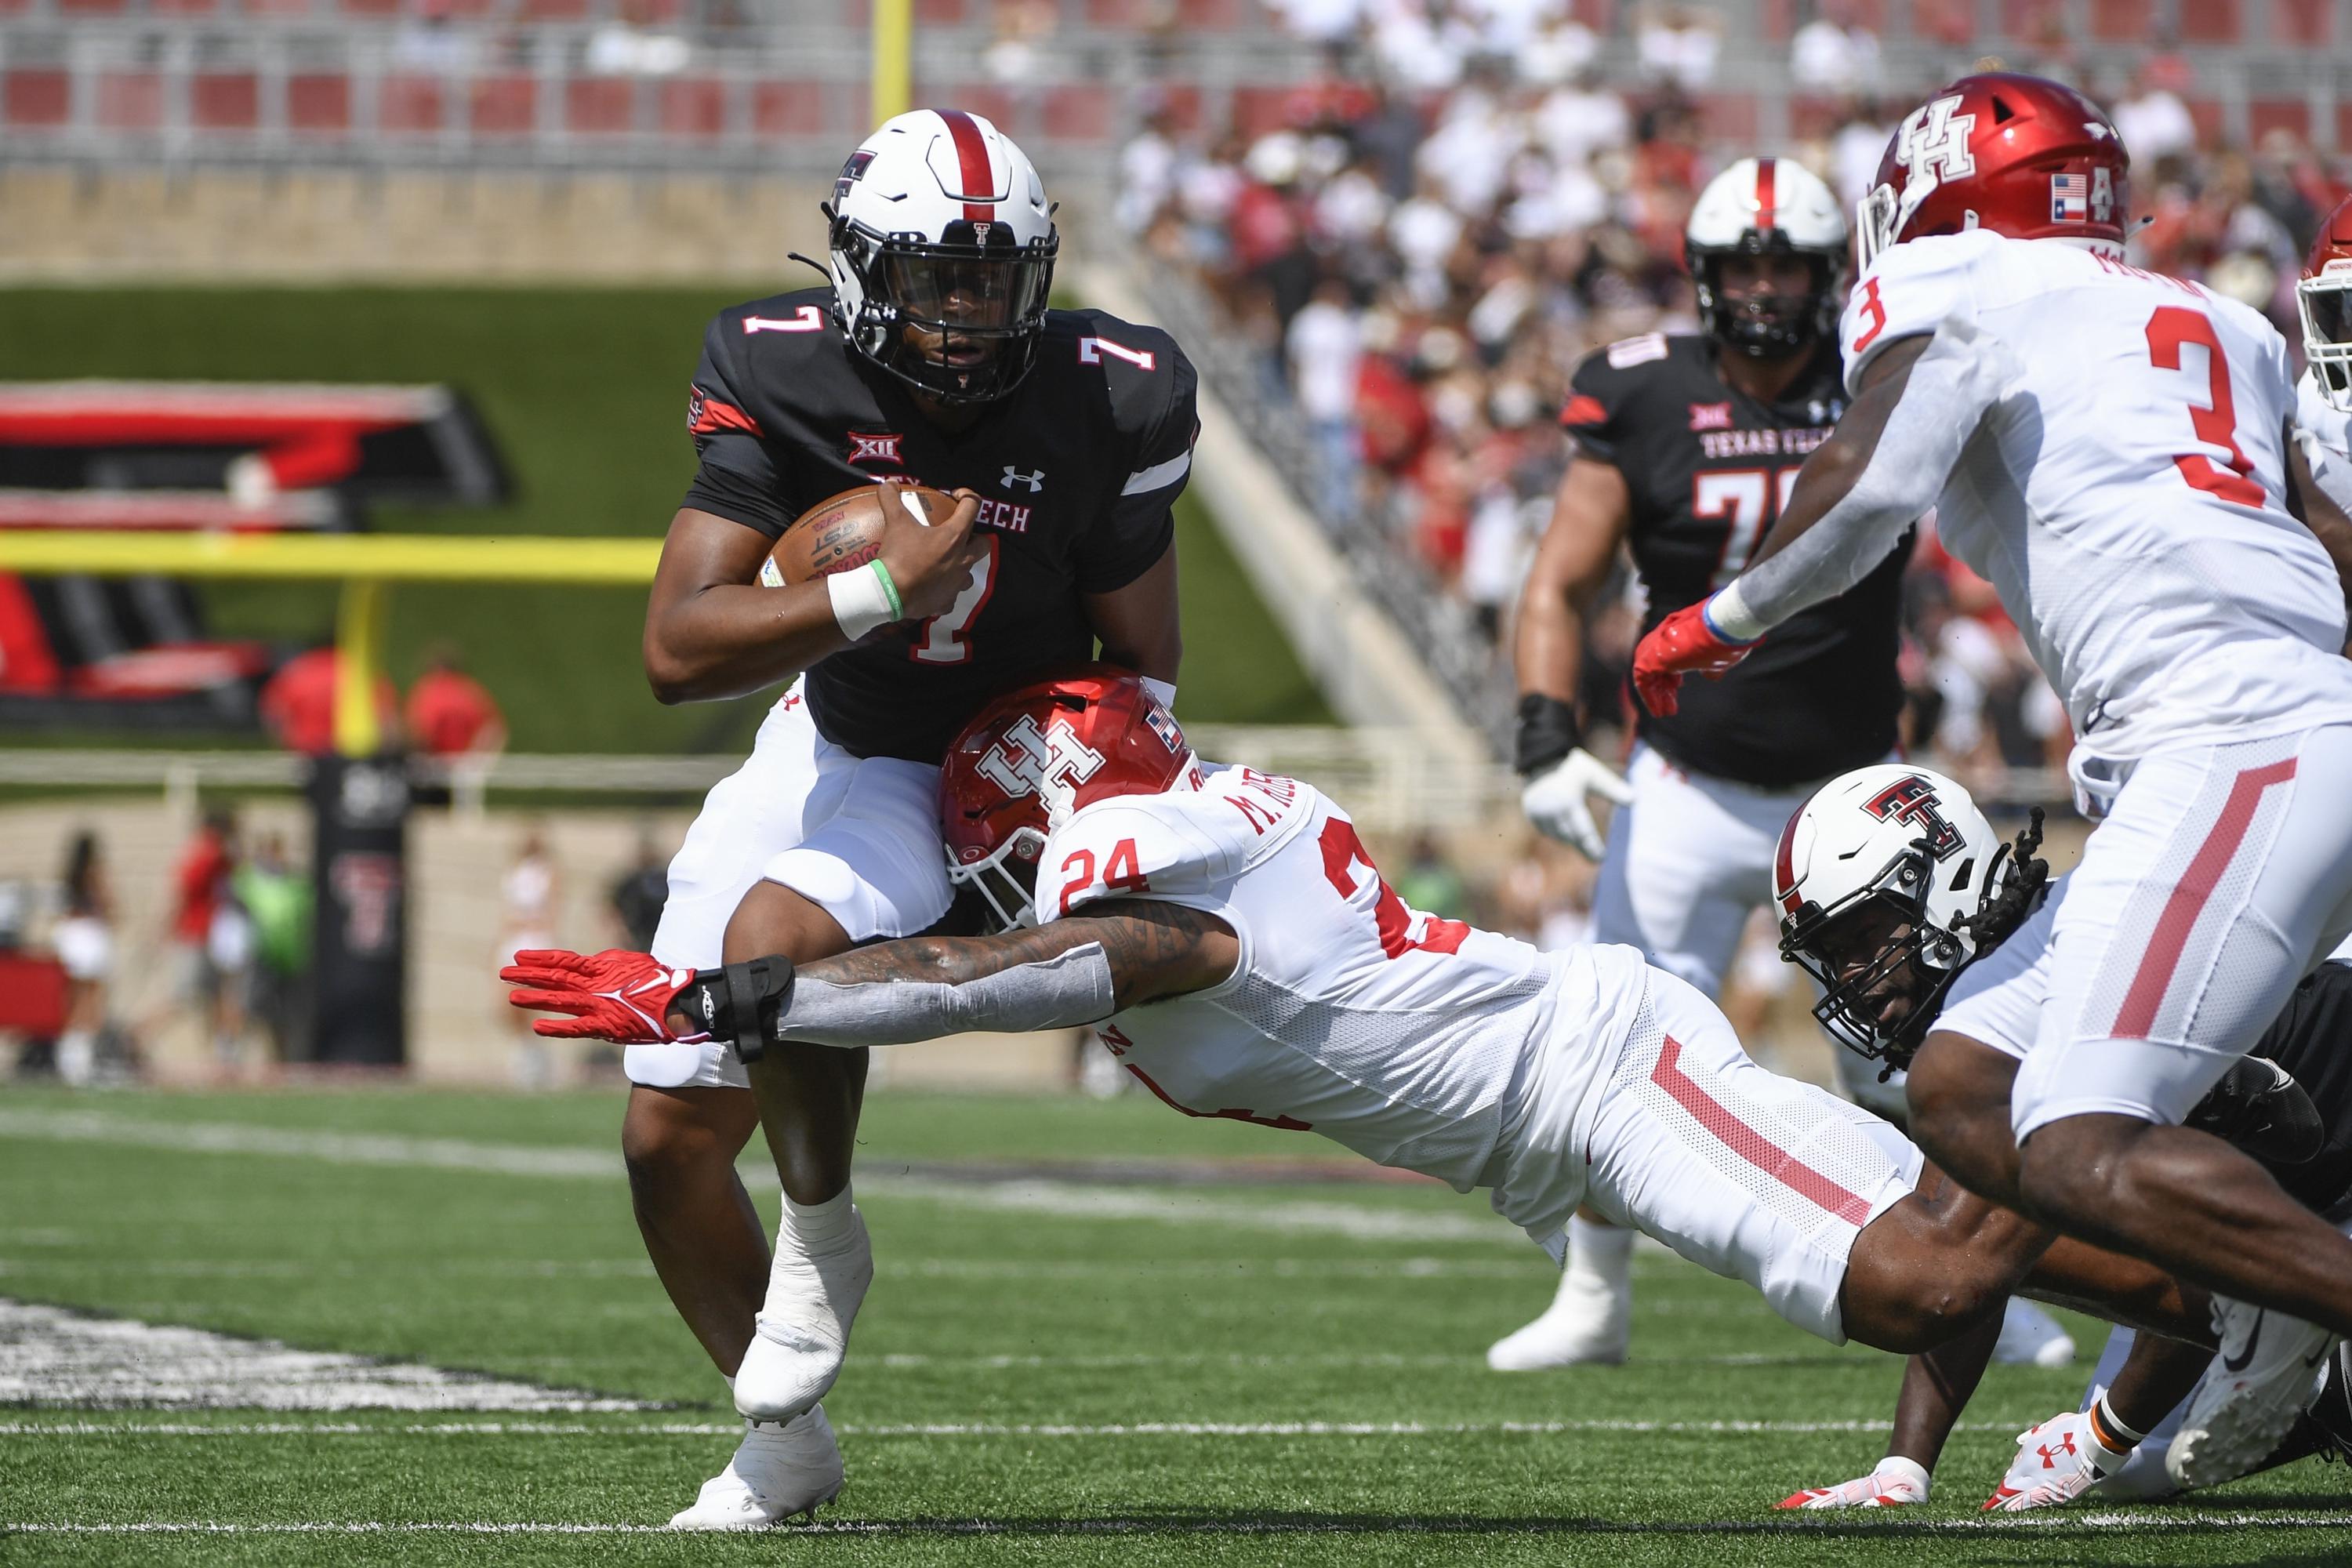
1465 203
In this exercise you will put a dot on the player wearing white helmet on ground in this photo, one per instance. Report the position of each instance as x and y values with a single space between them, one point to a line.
1876 880
1228 935
1682 450
2111 449
932 357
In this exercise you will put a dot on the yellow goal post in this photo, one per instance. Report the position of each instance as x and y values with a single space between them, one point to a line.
366 564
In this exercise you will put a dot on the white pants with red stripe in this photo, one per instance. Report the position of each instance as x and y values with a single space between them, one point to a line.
1746 1173
2221 877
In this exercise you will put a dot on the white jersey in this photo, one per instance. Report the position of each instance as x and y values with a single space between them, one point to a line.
2326 432
1417 1042
2125 493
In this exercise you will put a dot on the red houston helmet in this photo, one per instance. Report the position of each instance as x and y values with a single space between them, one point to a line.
2323 297
1035 756
2016 155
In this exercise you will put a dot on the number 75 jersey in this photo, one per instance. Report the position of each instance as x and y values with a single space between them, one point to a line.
2125 489
1416 1041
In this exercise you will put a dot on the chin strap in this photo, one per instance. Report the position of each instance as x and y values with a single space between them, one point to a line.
740 1002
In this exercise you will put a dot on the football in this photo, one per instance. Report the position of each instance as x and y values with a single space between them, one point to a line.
844 531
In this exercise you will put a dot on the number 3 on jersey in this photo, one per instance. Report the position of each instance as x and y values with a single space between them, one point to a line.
944 639
2216 422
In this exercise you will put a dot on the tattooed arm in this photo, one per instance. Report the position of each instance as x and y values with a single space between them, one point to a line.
1080 970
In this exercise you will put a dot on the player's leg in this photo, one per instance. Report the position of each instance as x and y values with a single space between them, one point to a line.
871 870
1681 871
2222 875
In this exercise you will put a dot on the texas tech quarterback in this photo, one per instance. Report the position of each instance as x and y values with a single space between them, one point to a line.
930 356
1683 449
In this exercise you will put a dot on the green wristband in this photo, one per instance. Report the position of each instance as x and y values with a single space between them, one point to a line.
891 590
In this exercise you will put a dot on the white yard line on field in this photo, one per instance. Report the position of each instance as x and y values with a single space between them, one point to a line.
955 1429
1066 1199
1843 1524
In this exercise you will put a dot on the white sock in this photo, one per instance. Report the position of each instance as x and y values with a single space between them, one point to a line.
820 1227
1600 1257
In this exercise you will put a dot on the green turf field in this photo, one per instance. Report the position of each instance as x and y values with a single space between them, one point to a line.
584 392
1058 1362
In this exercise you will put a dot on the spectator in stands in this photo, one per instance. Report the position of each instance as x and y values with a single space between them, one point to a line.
1834 52
531 893
299 703
1324 344
211 937
449 714
84 941
1679 44
2153 121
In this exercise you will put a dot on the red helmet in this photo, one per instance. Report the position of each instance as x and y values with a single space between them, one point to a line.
1035 755
2323 296
2016 155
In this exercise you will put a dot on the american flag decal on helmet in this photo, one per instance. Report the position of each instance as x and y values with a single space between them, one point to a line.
2070 198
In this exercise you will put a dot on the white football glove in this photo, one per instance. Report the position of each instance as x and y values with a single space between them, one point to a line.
1896 1483
1555 800
2057 1462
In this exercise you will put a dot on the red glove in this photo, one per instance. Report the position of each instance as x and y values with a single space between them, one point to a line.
1683 644
615 994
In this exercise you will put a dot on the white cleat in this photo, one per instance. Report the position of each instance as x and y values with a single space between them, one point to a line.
778 1472
1587 1324
2268 1371
803 1325
2032 1337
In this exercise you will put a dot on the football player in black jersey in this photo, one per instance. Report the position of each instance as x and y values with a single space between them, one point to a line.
1683 449
930 357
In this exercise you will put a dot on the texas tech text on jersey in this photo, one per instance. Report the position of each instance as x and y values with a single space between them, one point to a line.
1707 469
1079 469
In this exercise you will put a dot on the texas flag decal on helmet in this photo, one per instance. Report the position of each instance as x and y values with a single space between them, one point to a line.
2070 198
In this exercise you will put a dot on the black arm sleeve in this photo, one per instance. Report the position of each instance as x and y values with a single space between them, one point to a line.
1141 522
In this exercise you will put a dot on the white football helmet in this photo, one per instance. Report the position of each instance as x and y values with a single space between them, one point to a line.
1767 207
942 250
1884 880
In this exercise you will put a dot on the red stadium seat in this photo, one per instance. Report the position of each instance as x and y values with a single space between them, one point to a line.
35 97
91 7
1808 115
2020 19
2344 125
1114 13
370 7
1259 110
2122 21
2210 22
10 6
1078 112
1597 15
318 101
1950 22
504 106
274 7
944 13
694 106
1731 116
181 7
2265 115
553 10
224 101
600 105
130 101
2302 21
1181 101
1776 20
2207 113
409 103
789 108
995 104
1208 14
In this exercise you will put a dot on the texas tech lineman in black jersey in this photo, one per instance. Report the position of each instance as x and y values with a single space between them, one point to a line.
1683 448
1078 469
930 357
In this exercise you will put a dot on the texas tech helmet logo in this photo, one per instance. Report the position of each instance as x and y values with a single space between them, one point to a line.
1913 800
1048 763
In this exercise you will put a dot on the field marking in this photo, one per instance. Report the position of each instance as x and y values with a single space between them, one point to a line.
57 1356
1844 1525
1062 1199
966 1429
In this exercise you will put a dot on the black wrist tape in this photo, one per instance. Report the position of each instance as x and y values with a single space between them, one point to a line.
1548 732
740 1002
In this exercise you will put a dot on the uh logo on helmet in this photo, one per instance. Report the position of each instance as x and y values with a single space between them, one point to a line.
1048 763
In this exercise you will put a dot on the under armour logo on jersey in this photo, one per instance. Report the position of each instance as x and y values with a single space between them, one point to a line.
1914 800
865 448
1047 764
1034 479
1933 147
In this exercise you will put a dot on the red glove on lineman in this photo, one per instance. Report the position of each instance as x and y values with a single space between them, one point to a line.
615 994
1683 644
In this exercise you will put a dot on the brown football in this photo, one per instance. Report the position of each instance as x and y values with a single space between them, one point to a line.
844 531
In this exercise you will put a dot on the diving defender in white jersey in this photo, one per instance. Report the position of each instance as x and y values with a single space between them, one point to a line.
1229 936
2114 450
